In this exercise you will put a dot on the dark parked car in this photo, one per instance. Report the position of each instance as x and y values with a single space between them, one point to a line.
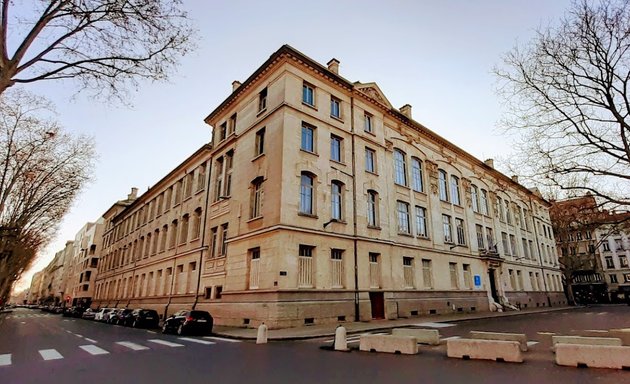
147 318
119 316
186 322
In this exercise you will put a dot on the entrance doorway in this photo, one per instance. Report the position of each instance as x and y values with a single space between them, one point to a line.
493 285
377 302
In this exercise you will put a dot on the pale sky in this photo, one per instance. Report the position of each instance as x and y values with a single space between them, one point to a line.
435 55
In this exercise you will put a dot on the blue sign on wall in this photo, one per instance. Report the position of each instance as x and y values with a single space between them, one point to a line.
477 281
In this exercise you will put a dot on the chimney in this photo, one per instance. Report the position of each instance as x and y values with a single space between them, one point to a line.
515 178
490 163
235 85
133 194
406 110
333 66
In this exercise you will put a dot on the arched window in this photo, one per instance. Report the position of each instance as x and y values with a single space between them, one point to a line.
416 174
442 185
306 193
196 229
455 190
400 167
372 208
336 200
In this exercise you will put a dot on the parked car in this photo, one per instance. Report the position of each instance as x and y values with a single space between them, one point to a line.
119 314
124 317
103 314
144 318
89 314
187 322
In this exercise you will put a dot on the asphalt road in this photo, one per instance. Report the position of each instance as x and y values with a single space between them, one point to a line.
45 348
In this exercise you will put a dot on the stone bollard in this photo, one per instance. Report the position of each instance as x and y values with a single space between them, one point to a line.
341 343
261 338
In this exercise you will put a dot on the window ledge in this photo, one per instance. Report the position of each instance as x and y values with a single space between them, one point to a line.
254 219
308 215
261 112
309 105
339 119
423 237
405 234
372 173
338 162
374 227
199 191
309 152
258 156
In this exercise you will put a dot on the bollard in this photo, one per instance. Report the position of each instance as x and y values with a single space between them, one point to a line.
341 343
261 338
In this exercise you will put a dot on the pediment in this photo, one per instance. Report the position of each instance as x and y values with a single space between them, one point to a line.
374 92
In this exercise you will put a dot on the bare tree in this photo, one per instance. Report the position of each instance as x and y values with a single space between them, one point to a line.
42 169
104 44
567 93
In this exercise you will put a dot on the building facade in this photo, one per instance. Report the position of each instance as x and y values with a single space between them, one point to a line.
317 201
82 267
328 204
153 244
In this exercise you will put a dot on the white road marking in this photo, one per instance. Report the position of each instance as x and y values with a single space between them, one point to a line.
451 338
151 331
531 343
596 330
90 340
164 342
93 349
221 339
435 325
22 322
5 359
77 335
205 342
67 320
602 313
133 346
69 331
50 354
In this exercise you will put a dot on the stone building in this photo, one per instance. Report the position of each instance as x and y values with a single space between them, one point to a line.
82 267
319 202
153 244
329 204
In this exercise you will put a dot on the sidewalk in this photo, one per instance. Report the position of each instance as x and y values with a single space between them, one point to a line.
314 331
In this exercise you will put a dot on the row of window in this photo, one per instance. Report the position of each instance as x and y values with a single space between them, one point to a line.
161 239
154 283
516 281
171 197
622 262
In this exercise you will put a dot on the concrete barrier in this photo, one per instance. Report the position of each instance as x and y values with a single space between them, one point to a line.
584 340
341 341
386 343
518 337
261 336
423 336
593 356
545 337
497 350
623 334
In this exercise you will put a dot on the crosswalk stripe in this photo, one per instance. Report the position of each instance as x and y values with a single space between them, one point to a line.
50 354
93 349
164 342
133 346
221 339
5 359
205 342
90 340
77 335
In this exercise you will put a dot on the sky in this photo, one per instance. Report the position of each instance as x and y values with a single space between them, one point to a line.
437 56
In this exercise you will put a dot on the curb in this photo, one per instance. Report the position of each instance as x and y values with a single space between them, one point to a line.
387 327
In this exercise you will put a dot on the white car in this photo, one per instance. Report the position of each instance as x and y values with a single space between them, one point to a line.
103 314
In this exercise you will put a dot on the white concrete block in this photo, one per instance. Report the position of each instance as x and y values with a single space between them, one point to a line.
593 356
341 340
497 350
518 337
584 340
423 336
387 343
623 334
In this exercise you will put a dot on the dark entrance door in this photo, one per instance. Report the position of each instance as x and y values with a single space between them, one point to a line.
493 285
377 301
